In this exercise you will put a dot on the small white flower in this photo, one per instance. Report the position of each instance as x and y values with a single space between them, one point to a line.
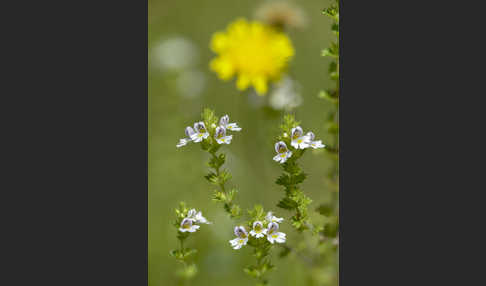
241 239
224 121
273 235
197 217
299 140
186 225
201 219
283 152
183 142
314 144
271 218
200 132
221 137
258 230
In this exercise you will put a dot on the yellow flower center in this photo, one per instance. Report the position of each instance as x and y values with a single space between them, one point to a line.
255 52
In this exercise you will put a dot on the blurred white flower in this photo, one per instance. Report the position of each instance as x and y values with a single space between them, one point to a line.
314 144
191 83
175 53
221 137
224 121
186 225
197 217
258 230
241 239
273 235
283 152
285 95
183 142
271 218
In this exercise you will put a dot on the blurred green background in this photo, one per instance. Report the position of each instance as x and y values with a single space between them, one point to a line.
177 96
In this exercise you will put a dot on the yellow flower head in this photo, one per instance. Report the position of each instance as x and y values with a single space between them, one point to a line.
254 52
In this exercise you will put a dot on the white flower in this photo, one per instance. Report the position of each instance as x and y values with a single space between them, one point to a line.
314 144
258 230
241 239
299 140
273 235
283 152
224 121
197 217
285 95
174 54
183 142
271 218
186 225
221 137
200 132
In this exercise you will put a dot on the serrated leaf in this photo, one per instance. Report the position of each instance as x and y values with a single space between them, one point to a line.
283 180
297 179
287 204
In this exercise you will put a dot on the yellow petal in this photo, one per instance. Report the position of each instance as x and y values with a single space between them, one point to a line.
219 42
223 67
260 84
243 82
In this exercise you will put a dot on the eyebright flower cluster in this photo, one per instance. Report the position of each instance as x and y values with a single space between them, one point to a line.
200 132
268 227
298 141
191 221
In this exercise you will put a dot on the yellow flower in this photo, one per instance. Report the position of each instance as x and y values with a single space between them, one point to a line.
254 52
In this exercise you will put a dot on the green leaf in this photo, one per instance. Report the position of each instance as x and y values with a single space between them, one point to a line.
297 179
257 213
287 204
325 210
209 118
212 178
224 176
231 194
332 227
219 196
327 96
283 180
333 128
235 211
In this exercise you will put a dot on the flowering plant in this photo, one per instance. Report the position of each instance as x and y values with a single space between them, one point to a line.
187 222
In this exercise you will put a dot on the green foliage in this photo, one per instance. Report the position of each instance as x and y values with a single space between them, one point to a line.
183 254
218 176
210 120
257 213
187 272
294 200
